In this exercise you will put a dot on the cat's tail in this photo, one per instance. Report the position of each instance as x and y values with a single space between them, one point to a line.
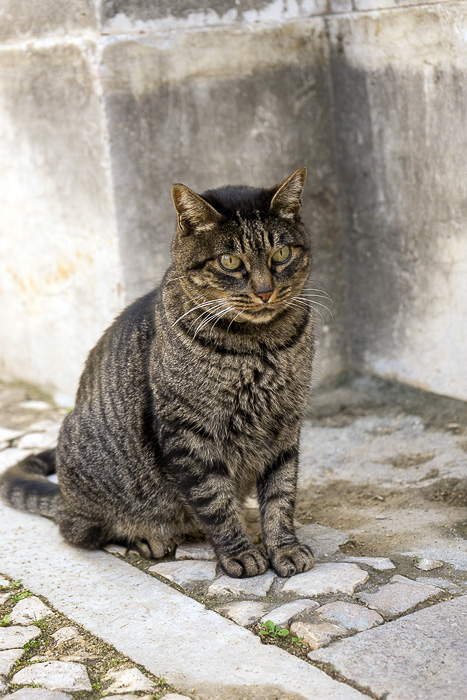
25 485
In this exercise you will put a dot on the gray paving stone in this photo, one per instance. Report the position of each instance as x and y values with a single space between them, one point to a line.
54 675
244 612
445 584
176 696
327 578
65 634
128 679
3 686
349 615
425 564
420 656
15 637
398 596
283 615
4 583
8 659
257 586
186 573
37 694
378 563
317 634
5 597
115 549
323 541
196 550
146 620
130 697
6 435
35 405
29 610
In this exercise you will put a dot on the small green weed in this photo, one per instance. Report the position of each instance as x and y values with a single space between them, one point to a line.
33 644
42 624
17 584
21 596
269 629
6 621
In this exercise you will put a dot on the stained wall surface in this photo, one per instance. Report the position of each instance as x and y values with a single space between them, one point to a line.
105 103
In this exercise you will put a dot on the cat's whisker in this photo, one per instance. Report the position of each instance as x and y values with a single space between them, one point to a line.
235 317
313 303
212 316
306 308
318 296
199 306
176 278
219 316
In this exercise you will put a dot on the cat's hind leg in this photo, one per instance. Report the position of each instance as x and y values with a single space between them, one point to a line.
82 530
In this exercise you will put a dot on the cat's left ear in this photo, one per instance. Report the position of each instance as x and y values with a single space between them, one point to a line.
194 213
287 200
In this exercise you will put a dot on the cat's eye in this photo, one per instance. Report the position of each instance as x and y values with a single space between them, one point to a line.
230 262
282 255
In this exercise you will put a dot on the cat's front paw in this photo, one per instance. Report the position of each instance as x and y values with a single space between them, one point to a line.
250 562
291 559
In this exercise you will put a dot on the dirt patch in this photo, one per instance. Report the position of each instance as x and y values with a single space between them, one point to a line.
405 461
452 492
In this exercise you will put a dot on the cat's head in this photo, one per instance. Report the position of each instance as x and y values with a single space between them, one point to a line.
243 252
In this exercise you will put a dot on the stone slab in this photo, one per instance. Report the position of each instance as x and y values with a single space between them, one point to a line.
196 550
186 574
55 675
29 610
8 659
283 615
143 618
4 583
349 615
398 596
323 541
244 612
65 634
128 679
15 637
37 694
256 586
317 634
378 563
419 656
326 578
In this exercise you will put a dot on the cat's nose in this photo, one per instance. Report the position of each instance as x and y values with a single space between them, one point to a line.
265 296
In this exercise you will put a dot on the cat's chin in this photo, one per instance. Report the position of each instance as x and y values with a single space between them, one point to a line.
261 316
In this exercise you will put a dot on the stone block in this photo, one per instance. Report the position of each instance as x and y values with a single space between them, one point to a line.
15 637
326 578
349 615
59 263
28 610
244 612
283 615
317 634
398 596
399 83
54 675
421 655
256 586
186 573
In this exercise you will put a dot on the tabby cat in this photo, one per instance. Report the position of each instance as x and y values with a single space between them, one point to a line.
195 395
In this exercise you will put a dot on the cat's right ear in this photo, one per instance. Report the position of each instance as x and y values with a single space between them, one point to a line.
193 212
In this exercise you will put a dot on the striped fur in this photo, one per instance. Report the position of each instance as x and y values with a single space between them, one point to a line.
194 396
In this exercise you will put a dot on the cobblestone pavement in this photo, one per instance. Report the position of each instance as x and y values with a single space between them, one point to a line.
382 614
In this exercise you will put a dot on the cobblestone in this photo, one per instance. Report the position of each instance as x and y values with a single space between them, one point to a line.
244 612
317 634
186 573
283 615
54 675
398 596
349 615
29 610
8 659
327 578
15 637
37 694
129 679
257 586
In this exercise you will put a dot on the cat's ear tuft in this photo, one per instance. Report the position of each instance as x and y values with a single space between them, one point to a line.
194 213
287 200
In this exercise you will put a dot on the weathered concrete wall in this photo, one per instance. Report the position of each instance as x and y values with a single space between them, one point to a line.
105 103
60 281
400 98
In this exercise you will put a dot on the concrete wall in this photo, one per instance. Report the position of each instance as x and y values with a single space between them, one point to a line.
103 105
